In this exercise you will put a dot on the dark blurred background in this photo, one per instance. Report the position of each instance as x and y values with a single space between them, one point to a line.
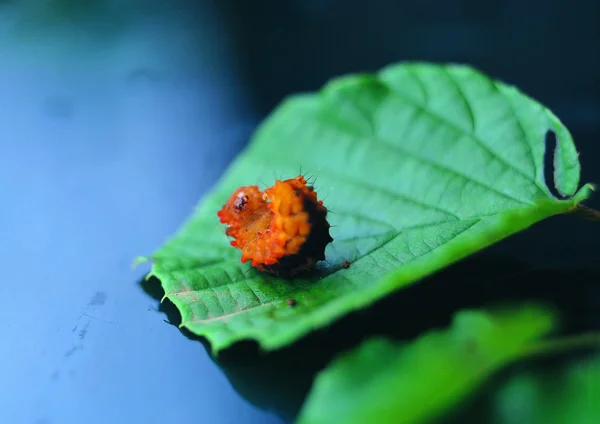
116 116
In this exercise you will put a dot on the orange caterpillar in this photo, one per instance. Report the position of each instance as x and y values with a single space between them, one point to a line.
283 230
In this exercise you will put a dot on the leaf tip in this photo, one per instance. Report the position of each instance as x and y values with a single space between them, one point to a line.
215 349
584 193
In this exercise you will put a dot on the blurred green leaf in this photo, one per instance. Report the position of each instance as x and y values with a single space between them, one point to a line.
388 382
422 165
570 395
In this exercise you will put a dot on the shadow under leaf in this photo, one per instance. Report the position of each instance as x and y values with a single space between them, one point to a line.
279 381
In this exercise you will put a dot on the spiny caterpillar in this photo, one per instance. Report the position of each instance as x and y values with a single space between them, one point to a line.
283 230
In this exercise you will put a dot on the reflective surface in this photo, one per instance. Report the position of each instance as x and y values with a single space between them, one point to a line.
108 140
116 118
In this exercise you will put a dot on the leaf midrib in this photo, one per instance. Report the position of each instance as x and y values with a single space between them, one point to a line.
380 142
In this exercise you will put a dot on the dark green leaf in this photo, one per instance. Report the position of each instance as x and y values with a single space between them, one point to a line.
422 165
387 382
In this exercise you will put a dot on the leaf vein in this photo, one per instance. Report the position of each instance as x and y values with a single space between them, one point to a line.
444 121
384 191
468 108
436 165
521 127
361 217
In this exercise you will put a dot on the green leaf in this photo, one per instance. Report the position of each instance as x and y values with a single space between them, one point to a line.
387 382
421 165
566 396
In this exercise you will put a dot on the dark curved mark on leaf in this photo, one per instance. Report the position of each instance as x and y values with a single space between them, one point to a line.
549 171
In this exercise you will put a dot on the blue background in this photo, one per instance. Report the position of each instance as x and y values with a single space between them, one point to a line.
116 117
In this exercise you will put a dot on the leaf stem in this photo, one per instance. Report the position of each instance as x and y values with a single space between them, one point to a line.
553 346
585 213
